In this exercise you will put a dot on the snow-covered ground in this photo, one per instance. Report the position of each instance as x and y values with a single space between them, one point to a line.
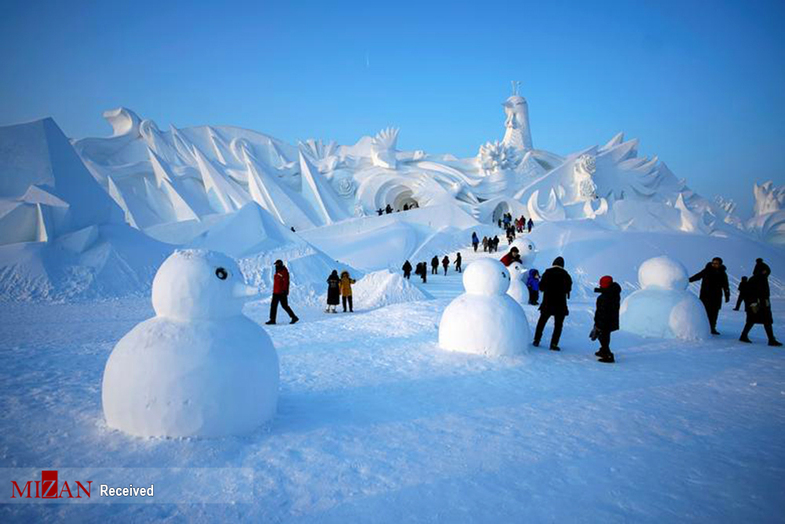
377 424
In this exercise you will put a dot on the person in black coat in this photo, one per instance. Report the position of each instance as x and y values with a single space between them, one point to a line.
555 285
435 265
606 316
529 225
333 292
445 264
407 270
422 270
757 303
714 281
742 287
458 262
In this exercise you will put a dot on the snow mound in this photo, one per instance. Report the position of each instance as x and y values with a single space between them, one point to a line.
382 288
663 272
486 276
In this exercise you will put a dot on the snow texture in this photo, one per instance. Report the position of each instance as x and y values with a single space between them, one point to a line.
383 288
199 368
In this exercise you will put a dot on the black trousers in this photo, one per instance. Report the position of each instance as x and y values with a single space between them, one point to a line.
345 299
434 270
712 312
406 275
445 270
605 341
558 323
534 296
475 247
280 298
768 327
458 268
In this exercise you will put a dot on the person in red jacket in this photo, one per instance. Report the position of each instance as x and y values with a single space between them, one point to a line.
512 256
281 293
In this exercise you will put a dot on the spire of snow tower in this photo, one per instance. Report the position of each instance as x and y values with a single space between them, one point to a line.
517 134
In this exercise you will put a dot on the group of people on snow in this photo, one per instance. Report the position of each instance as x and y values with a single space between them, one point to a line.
512 226
388 209
339 290
421 269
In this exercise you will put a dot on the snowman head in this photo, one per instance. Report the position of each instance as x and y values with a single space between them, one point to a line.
195 284
517 271
663 273
526 249
486 276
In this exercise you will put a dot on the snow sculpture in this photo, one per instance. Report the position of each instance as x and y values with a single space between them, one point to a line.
496 156
383 148
663 307
584 169
518 290
527 250
199 368
769 220
484 320
517 134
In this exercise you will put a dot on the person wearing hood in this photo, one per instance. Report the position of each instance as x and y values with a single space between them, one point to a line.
458 262
533 285
757 303
280 294
475 240
435 265
407 270
555 285
445 264
346 291
513 255
606 317
714 281
333 292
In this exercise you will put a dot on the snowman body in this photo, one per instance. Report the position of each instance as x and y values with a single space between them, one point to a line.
518 290
663 307
199 368
484 320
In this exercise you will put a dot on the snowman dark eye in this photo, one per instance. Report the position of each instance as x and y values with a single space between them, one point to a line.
221 273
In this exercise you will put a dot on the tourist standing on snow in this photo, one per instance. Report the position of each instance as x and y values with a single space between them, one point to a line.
475 240
496 243
281 294
445 264
407 270
742 287
388 209
435 265
513 255
714 281
485 244
529 225
757 303
333 292
533 285
458 262
346 291
606 316
555 285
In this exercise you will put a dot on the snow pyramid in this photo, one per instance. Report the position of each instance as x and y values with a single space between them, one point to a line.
484 320
663 307
199 368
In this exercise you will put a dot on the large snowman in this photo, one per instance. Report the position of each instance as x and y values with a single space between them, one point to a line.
199 368
519 271
484 320
663 307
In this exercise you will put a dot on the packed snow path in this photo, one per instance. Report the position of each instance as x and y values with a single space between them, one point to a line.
375 423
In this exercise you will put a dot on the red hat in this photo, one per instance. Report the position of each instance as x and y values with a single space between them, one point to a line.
606 281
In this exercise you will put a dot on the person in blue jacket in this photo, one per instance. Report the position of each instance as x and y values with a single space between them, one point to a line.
533 285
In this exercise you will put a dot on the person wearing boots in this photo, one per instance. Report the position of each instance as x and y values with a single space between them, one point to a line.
714 281
333 292
346 291
435 265
606 317
555 285
281 294
757 303
458 262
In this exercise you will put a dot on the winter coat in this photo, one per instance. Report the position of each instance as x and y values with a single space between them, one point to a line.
757 300
281 282
475 238
713 283
445 262
346 284
458 260
532 280
509 258
606 316
555 285
333 290
407 267
435 262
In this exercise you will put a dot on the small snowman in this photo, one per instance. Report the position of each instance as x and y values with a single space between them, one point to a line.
199 368
484 320
519 271
663 307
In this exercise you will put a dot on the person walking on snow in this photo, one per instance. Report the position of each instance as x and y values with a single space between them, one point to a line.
407 270
346 291
757 303
533 285
555 285
445 264
458 261
529 225
333 292
512 256
280 294
714 281
742 287
606 317
485 244
435 265
475 240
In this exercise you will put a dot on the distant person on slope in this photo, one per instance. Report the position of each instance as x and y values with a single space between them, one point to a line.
714 281
333 292
606 317
533 285
388 209
445 264
435 265
475 240
458 262
757 303
346 291
485 244
512 256
407 270
742 287
555 285
529 225
280 294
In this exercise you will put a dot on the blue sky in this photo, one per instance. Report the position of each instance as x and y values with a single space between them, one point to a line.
702 84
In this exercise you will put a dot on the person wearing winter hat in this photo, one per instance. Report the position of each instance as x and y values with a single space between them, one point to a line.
281 294
714 283
555 285
757 303
606 317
